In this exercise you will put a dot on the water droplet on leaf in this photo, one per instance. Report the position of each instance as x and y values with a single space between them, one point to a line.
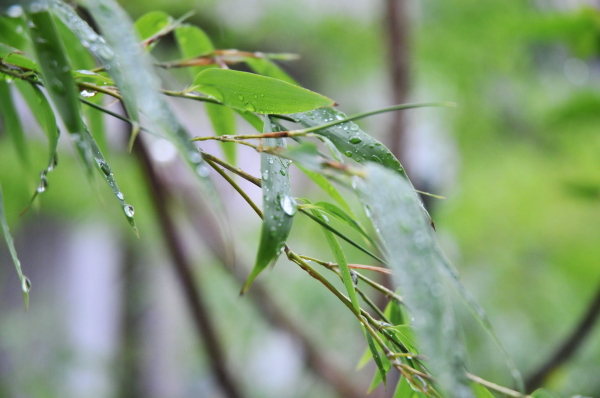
289 205
129 210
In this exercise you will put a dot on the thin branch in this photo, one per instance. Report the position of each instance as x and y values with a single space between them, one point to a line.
496 387
569 345
183 269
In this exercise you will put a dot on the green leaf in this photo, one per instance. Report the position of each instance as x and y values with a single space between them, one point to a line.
11 55
12 124
152 23
326 186
403 389
394 313
193 42
266 67
279 207
223 122
543 393
254 120
25 283
257 93
383 364
343 216
13 33
133 74
42 111
60 84
480 391
414 257
123 67
405 334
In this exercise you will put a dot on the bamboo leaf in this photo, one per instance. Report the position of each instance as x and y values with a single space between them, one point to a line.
482 392
125 72
414 258
25 283
543 393
151 23
60 84
380 360
404 390
257 93
266 67
12 124
193 42
279 207
345 217
405 334
223 121
42 111
326 186
14 57
133 73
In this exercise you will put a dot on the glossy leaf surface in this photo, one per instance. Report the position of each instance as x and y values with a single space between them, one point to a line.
257 93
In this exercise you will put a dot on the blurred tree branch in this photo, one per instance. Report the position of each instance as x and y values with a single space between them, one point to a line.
569 345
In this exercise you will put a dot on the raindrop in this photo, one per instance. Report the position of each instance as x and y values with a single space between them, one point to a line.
85 72
282 171
105 167
14 11
308 113
289 205
26 284
88 93
57 86
195 156
43 183
271 161
129 210
202 170
120 195
339 117
265 175
249 107
241 97
355 140
354 127
54 163
376 159
348 153
354 278
106 53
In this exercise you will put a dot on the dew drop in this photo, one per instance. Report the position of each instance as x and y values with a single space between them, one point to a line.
106 53
88 93
43 183
354 127
339 117
308 113
120 196
249 107
202 170
348 153
195 156
265 175
378 144
282 171
105 167
54 163
25 284
14 11
355 140
289 205
129 210
241 97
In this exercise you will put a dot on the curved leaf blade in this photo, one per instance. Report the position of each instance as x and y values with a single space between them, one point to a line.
326 186
413 256
12 124
266 67
279 207
193 42
255 93
25 283
223 121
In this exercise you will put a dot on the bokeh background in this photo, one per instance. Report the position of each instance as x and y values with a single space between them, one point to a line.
518 160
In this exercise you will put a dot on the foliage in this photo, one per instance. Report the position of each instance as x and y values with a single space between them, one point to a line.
39 51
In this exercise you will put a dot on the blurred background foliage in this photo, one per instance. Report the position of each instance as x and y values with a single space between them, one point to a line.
518 161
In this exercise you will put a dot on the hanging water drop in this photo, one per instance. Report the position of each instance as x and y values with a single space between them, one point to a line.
14 11
43 183
120 195
88 93
25 284
105 167
129 210
202 170
289 205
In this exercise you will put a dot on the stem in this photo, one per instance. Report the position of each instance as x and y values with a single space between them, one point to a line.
183 269
496 387
235 170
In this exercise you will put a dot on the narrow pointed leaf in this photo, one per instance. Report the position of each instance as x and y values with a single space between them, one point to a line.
151 23
404 390
12 124
279 207
347 218
193 42
25 283
42 111
60 84
257 93
326 186
414 258
14 57
223 121
481 392
133 73
123 72
379 359
380 376
543 393
266 67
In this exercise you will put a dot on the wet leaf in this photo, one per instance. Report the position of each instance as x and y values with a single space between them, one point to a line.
60 84
481 392
152 23
326 186
345 217
266 67
405 334
133 73
11 55
279 207
123 69
12 124
383 367
25 283
257 93
413 255
223 121
193 42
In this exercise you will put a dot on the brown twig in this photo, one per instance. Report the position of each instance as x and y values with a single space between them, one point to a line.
194 299
569 345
